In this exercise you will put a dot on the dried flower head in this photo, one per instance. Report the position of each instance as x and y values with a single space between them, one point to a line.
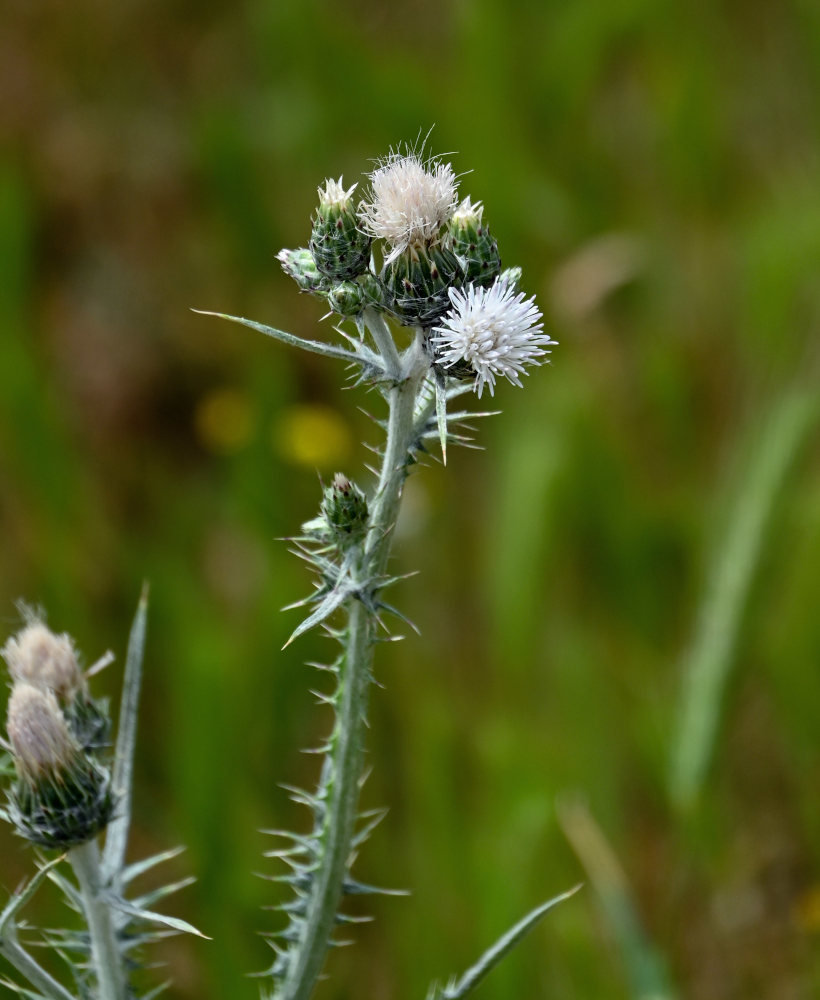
495 330
40 739
410 200
63 796
45 660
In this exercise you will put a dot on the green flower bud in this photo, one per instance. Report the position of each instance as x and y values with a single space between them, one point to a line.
347 298
472 243
301 266
345 509
417 284
62 796
511 276
340 249
372 290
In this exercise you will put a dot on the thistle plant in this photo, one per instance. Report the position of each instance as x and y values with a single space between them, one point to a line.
424 315
69 791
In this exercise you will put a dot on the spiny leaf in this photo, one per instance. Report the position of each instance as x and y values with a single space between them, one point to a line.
352 887
334 600
149 898
329 350
138 868
138 913
441 414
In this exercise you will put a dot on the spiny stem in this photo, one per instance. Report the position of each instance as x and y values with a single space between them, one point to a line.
341 808
105 954
342 789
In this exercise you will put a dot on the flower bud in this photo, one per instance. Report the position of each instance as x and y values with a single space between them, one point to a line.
301 266
47 661
62 797
345 509
511 276
339 247
417 284
472 243
346 298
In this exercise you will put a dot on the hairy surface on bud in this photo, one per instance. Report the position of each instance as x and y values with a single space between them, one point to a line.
39 657
40 739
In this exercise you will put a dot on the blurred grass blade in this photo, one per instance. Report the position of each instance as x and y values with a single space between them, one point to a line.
648 979
116 837
493 955
707 664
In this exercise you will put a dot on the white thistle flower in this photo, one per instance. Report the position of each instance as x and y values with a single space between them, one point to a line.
495 330
333 193
411 199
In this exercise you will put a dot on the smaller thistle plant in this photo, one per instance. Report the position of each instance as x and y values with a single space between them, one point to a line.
417 277
69 791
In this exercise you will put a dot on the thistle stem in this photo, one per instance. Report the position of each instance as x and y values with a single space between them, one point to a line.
340 810
105 953
341 789
383 339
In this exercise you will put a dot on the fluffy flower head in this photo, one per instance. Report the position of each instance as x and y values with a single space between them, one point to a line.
494 330
40 740
47 661
410 200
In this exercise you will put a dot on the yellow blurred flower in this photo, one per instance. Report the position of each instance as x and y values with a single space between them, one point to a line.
310 435
224 421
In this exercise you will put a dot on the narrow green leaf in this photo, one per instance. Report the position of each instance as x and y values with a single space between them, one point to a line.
138 913
492 956
116 837
138 868
441 414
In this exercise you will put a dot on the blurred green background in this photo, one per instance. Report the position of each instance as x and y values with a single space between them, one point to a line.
618 678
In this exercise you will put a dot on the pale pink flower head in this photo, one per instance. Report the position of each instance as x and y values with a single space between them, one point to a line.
410 200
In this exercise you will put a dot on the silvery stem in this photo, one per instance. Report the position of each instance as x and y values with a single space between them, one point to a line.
341 802
105 953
